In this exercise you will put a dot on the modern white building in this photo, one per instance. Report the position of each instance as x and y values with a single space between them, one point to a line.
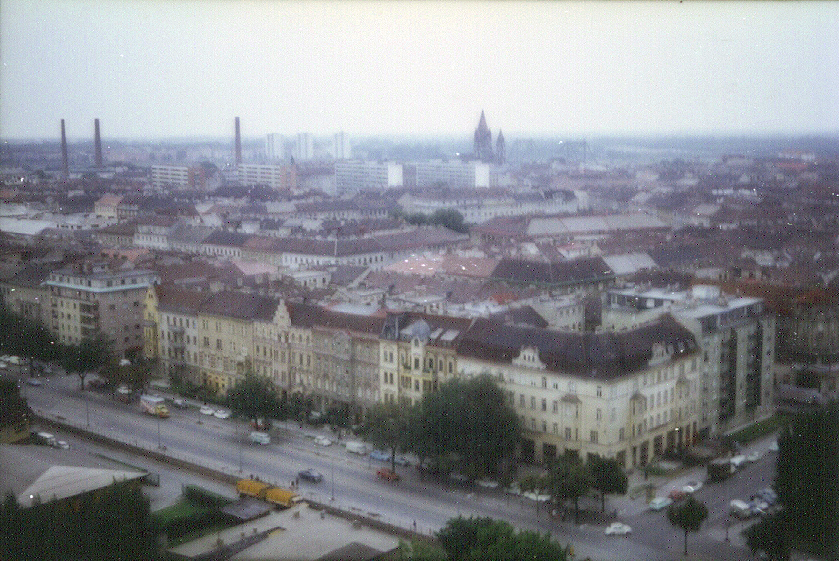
275 147
277 177
455 174
353 176
341 146
177 177
304 147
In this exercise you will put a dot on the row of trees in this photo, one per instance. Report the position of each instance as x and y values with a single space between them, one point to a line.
114 523
448 218
807 482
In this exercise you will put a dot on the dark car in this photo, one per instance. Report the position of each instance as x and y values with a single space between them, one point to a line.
311 475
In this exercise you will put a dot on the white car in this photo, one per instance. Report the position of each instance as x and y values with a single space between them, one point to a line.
617 529
221 414
659 503
754 456
691 487
207 410
62 444
321 440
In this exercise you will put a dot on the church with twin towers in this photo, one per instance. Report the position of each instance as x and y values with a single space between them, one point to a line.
483 150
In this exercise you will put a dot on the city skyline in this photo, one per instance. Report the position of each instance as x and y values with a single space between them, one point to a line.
158 69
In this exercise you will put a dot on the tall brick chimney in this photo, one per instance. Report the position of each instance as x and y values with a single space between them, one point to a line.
238 144
65 162
97 140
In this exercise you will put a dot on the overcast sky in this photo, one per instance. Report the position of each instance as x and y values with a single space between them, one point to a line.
159 69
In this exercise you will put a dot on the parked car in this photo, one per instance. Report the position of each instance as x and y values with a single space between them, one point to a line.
659 503
357 447
737 461
380 455
773 446
221 414
742 509
767 495
387 474
207 410
260 438
617 529
321 440
179 403
402 461
754 456
311 475
34 382
692 487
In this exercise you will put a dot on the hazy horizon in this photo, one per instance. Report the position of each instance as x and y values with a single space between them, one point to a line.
157 69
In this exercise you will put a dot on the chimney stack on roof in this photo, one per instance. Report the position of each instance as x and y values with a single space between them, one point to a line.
238 144
65 163
97 140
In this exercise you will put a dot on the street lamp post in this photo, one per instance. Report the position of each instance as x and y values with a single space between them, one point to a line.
87 409
158 434
332 465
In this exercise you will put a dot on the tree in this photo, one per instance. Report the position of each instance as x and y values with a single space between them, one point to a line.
92 353
468 421
114 523
254 397
607 477
569 480
386 426
449 218
771 535
806 478
535 483
119 371
475 539
687 515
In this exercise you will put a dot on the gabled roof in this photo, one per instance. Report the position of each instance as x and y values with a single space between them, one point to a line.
559 273
595 355
221 237
240 306
313 316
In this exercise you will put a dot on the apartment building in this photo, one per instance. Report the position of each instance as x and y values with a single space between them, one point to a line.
178 177
100 297
417 354
630 395
333 357
354 176
275 176
455 174
737 339
25 293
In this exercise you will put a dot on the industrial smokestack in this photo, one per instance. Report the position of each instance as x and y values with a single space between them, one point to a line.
97 140
65 163
238 144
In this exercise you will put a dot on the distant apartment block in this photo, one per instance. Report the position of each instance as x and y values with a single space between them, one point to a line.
277 177
304 147
353 176
98 297
455 174
178 177
341 146
275 147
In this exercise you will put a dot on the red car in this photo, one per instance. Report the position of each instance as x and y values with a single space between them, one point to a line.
387 474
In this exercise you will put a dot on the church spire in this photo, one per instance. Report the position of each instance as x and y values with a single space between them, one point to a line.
500 149
483 141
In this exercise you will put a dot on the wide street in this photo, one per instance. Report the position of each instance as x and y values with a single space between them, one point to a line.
349 480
